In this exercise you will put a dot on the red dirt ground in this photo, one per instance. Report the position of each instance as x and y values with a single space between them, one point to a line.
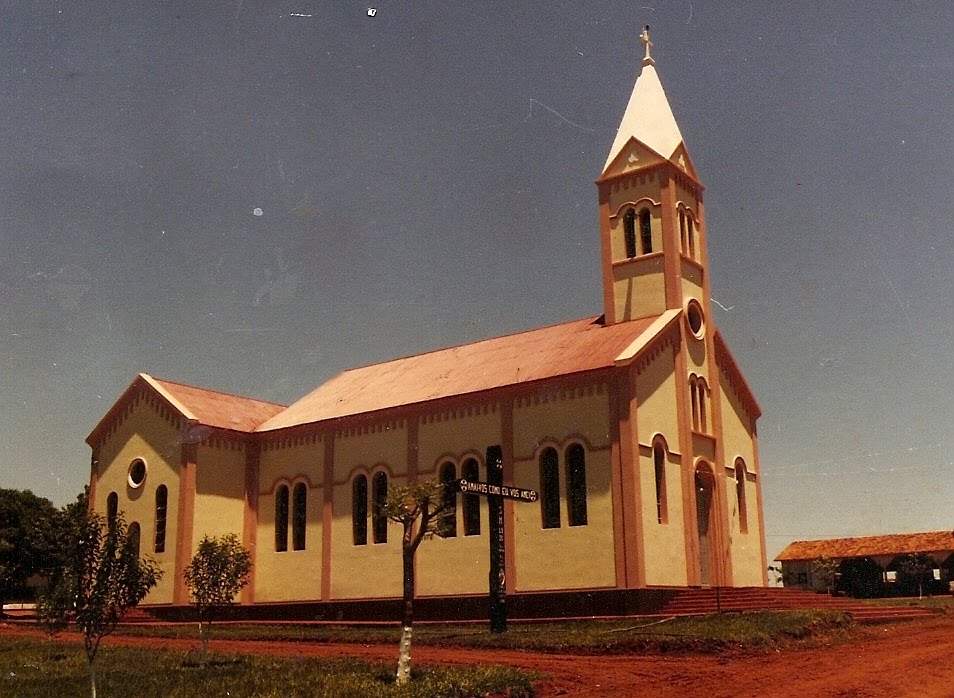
906 660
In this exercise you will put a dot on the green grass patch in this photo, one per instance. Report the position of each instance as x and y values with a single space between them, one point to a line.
699 634
39 669
942 604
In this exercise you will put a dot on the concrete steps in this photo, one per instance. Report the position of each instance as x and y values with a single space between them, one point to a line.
703 601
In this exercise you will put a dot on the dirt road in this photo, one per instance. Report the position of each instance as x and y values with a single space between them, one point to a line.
906 660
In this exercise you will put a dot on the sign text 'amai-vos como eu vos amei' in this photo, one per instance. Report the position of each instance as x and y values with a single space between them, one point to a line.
485 488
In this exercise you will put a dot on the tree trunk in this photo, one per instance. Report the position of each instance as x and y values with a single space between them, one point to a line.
404 652
92 677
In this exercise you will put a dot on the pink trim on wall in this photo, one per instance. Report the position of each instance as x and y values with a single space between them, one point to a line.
327 516
250 518
185 518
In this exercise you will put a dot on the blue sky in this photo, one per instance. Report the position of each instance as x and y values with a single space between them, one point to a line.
253 197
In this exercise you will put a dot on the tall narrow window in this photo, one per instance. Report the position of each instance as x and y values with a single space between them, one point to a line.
112 508
281 519
162 502
550 488
740 496
576 484
646 230
379 487
359 510
471 472
691 237
629 232
683 239
299 515
448 476
694 398
659 467
703 422
133 536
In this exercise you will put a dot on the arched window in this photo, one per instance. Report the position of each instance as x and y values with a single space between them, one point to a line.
703 421
379 520
471 471
683 238
132 538
550 488
740 495
112 508
576 484
694 398
359 510
281 519
690 235
162 502
629 232
646 230
659 468
448 477
299 515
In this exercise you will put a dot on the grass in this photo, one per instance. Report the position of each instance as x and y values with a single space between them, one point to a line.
32 668
942 604
714 633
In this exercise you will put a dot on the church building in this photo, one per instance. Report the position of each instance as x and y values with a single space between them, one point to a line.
635 427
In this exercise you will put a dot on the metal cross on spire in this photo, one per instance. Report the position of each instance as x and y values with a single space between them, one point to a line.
644 37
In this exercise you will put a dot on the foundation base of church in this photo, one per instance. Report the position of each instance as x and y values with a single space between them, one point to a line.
520 606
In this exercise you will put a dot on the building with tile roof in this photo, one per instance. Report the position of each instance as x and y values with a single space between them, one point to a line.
870 565
636 428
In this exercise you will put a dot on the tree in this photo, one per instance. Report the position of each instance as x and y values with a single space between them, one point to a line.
825 570
100 578
218 571
917 566
27 541
422 510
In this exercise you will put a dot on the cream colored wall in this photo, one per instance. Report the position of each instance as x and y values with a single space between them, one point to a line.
456 565
738 442
375 569
663 544
219 492
293 575
639 288
569 557
144 434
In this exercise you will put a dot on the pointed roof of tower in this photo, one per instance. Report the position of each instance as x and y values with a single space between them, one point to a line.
648 117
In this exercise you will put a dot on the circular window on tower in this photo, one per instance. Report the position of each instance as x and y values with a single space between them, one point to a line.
137 473
695 319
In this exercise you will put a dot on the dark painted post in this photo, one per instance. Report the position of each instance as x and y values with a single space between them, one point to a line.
498 577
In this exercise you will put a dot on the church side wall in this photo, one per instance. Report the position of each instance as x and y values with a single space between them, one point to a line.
373 570
457 565
290 575
657 416
568 557
745 547
219 491
150 432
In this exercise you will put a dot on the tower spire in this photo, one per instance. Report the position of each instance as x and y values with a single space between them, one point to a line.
644 38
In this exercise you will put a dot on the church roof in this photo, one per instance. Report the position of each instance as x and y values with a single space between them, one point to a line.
648 118
213 408
198 405
548 352
870 546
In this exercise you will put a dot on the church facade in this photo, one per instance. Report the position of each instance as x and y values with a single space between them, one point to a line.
636 428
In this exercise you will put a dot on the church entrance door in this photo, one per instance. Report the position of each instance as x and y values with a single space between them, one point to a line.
704 487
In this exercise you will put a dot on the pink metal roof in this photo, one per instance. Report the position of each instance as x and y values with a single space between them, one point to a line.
548 352
221 410
870 546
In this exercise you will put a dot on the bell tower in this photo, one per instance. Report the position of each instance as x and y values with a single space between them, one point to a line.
652 226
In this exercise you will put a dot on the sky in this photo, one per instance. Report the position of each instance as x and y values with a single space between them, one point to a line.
255 196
